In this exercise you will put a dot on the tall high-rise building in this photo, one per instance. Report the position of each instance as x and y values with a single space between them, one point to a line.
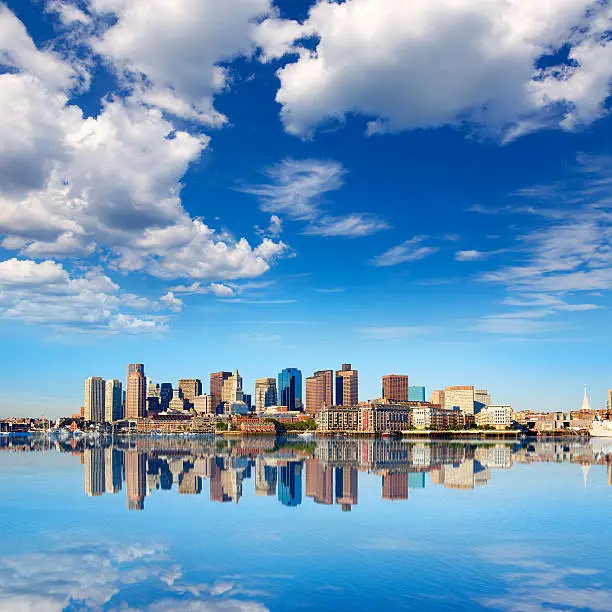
319 391
461 397
136 392
232 388
216 386
395 387
204 404
347 386
416 393
94 399
190 388
94 471
113 401
482 399
165 395
609 405
135 478
290 388
265 393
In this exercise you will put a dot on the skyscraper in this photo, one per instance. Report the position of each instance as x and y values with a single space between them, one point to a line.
231 390
347 386
113 401
395 387
190 389
216 386
165 395
135 400
290 388
416 393
319 391
94 399
482 399
437 397
461 397
265 393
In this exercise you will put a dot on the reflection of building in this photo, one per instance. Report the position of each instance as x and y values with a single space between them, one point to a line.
290 388
189 482
94 471
290 484
461 397
94 399
395 387
265 393
135 478
265 477
190 388
416 393
319 391
319 482
136 392
346 487
216 386
395 485
416 480
465 475
113 401
113 469
347 386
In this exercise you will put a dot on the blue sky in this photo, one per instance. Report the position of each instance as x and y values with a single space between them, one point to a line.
409 186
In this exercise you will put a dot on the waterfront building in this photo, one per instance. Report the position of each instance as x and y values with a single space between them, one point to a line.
395 388
178 403
93 459
265 393
94 399
135 401
190 388
135 478
416 393
204 404
346 487
216 385
347 386
498 417
461 398
437 398
435 418
113 401
482 399
319 391
290 388
165 395
371 418
231 390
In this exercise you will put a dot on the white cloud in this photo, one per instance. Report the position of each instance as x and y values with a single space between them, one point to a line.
172 302
353 226
68 13
480 64
222 290
405 252
475 255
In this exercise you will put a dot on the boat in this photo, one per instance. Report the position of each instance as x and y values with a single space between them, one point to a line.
306 434
601 429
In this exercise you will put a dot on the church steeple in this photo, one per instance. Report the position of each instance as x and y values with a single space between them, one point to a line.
585 401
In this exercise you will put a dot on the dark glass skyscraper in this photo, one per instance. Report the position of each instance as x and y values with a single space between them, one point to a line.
290 388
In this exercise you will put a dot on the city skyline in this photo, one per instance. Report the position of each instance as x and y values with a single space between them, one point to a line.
452 227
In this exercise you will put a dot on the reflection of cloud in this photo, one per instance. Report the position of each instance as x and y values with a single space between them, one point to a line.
538 586
89 577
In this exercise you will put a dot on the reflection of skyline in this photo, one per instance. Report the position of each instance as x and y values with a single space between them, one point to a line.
325 472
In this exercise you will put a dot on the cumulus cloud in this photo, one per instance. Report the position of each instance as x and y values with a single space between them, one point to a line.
410 250
297 189
481 66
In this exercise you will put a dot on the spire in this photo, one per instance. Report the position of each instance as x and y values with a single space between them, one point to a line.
585 401
585 473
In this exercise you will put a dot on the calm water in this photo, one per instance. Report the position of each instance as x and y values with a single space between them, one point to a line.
264 524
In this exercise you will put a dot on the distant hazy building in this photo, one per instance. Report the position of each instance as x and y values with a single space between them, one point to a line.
232 388
265 393
153 389
482 399
395 387
135 400
416 393
437 397
204 404
319 391
290 388
190 388
461 397
94 399
216 385
113 401
347 386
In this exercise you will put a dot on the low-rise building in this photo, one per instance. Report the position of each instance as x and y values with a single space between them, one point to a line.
498 417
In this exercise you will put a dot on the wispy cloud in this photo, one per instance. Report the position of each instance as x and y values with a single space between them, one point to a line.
474 255
410 250
297 190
